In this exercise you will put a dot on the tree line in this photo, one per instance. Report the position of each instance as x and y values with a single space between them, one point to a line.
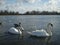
29 13
42 13
8 12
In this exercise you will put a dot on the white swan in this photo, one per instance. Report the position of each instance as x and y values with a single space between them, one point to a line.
13 30
42 32
16 30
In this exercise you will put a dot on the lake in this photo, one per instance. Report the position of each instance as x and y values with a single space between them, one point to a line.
29 23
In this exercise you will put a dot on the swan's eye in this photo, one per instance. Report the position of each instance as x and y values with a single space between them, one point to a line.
52 25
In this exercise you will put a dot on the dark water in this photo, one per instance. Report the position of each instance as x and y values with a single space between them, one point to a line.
29 23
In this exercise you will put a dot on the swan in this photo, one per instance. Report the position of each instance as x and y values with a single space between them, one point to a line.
17 29
42 32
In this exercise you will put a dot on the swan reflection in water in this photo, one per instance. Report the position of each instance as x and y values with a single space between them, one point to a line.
35 40
41 40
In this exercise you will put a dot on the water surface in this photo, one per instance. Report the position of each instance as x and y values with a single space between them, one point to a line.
29 23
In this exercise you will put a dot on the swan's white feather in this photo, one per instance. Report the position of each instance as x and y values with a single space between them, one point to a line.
14 31
41 32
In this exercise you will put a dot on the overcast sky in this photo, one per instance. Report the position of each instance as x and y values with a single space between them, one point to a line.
29 5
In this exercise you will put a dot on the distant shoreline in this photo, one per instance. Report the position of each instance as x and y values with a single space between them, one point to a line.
29 13
17 15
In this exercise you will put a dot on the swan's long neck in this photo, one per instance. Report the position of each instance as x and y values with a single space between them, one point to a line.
49 29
